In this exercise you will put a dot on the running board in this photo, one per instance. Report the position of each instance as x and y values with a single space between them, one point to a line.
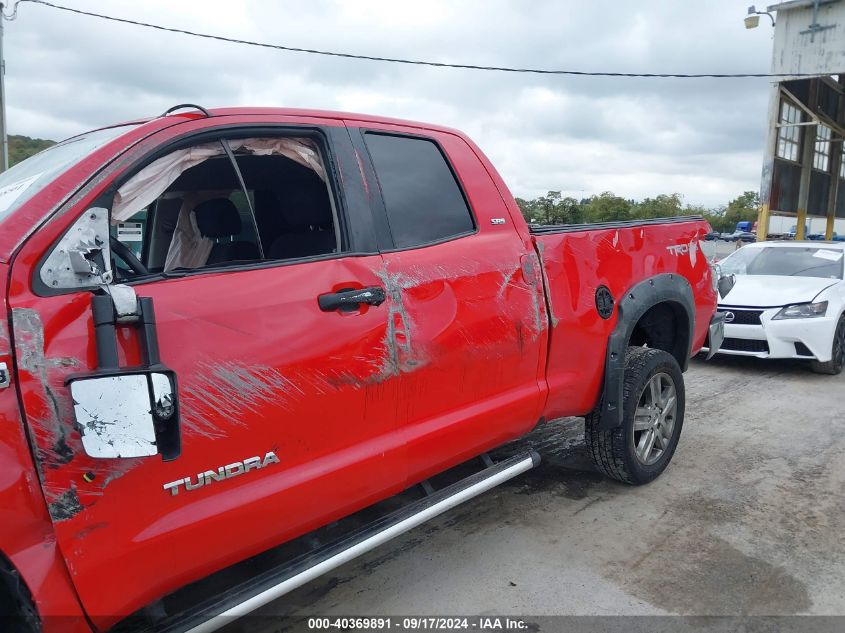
242 599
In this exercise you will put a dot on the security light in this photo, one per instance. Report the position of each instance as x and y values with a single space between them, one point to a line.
752 20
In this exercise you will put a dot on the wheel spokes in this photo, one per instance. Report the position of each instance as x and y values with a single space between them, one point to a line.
654 388
669 407
654 418
646 444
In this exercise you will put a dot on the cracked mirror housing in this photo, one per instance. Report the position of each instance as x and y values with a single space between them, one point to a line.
117 415
82 258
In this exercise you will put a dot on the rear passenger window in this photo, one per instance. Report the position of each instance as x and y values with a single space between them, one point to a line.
423 200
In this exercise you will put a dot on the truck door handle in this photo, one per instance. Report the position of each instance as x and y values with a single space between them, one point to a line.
349 299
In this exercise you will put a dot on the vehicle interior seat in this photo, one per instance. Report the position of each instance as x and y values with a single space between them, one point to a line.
307 212
268 216
218 219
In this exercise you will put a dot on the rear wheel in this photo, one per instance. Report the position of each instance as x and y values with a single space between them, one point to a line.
17 612
837 358
639 449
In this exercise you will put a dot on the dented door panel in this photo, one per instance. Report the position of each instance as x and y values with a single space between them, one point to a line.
288 417
468 327
467 338
259 372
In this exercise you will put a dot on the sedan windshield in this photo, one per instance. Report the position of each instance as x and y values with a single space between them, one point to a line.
24 180
811 261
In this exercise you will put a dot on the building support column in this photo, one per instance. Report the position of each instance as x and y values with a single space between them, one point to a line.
833 191
807 151
768 163
836 150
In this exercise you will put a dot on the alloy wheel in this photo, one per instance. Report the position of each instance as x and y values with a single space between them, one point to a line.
654 420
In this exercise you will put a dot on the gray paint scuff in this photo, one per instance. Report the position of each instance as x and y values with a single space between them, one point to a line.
398 340
65 506
232 390
29 347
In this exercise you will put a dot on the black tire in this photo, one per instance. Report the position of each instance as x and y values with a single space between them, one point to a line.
613 450
17 611
837 359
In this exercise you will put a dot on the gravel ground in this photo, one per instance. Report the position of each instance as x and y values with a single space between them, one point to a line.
748 519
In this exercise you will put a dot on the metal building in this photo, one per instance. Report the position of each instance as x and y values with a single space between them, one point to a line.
803 166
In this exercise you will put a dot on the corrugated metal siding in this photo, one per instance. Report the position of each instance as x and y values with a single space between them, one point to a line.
785 181
828 100
819 193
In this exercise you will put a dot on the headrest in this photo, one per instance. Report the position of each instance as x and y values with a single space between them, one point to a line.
217 217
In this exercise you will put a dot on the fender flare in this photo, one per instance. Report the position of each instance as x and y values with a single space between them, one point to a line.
665 288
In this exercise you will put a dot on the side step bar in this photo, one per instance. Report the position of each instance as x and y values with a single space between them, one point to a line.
264 588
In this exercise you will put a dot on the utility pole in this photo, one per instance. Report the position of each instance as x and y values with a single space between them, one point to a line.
4 155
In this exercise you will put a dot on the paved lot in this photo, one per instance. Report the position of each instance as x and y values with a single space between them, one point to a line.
748 519
717 249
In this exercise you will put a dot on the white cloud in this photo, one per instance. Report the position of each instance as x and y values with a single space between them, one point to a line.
637 137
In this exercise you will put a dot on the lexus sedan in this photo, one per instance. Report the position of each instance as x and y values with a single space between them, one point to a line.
787 302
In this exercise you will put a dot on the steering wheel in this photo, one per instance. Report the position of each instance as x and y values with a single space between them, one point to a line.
125 253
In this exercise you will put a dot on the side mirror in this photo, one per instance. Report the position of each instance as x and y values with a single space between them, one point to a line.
127 414
82 258
725 284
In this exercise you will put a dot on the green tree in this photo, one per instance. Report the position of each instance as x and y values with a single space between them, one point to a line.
742 208
607 207
662 206
22 147
552 208
526 207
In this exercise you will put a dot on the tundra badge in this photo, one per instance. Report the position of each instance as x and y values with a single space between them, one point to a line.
4 376
223 472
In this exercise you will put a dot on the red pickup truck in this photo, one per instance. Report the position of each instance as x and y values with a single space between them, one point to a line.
227 332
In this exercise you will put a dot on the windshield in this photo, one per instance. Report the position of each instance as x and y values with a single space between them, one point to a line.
811 261
24 180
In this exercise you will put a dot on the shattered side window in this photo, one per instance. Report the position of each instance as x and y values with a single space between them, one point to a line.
189 209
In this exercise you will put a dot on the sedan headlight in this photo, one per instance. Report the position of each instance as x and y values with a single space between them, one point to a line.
802 311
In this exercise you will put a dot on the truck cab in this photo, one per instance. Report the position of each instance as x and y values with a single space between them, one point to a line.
226 330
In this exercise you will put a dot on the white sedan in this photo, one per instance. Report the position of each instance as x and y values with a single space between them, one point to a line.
787 302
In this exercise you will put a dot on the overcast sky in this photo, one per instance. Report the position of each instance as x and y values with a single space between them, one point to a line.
702 138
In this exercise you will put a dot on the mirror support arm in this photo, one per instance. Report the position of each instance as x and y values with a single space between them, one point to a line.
148 333
118 305
105 334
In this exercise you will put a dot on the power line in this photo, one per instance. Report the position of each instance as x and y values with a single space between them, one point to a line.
396 60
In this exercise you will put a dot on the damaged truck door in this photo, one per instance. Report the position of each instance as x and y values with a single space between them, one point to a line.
284 414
